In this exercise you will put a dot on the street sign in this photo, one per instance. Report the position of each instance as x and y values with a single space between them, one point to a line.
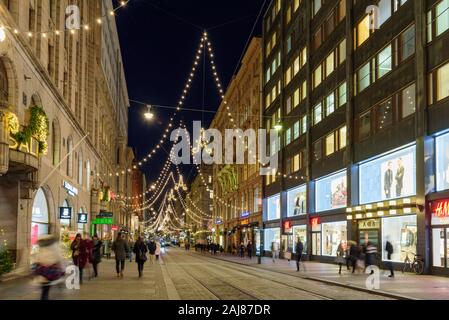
108 221
105 215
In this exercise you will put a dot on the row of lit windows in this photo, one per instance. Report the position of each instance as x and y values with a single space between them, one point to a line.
273 67
291 9
373 21
438 20
296 65
295 163
299 95
271 44
330 64
387 113
271 178
299 128
272 16
271 96
386 60
330 144
336 99
327 27
438 83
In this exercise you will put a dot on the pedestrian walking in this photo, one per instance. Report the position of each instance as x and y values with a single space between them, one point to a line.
370 255
107 248
47 267
341 255
130 253
120 248
299 250
390 251
274 251
88 245
96 253
140 249
353 255
152 250
79 255
242 250
158 250
249 249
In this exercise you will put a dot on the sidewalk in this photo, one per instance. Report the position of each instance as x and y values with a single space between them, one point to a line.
403 286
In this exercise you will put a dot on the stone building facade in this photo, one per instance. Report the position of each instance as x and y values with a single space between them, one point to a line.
65 73
238 205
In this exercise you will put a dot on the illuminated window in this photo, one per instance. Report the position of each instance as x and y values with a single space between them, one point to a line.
330 64
384 62
342 134
364 77
317 114
363 31
330 144
317 77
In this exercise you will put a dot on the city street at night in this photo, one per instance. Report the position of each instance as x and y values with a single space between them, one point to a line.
191 276
188 155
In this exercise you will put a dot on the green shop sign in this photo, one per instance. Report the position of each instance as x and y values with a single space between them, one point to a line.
103 221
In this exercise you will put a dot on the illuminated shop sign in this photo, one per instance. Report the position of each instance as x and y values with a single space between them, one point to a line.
82 218
65 213
315 221
31 147
218 221
71 190
287 225
440 209
244 222
245 214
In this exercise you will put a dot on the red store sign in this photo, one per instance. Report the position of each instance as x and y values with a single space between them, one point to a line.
315 221
440 209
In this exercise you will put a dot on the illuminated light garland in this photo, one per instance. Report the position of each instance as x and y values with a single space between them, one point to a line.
85 27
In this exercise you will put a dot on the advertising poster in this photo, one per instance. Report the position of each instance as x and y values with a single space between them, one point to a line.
397 173
331 192
442 162
297 201
274 207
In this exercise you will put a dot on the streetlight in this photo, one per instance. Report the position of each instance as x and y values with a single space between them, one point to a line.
149 115
278 126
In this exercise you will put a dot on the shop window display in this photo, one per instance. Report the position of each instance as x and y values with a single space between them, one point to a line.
397 177
39 219
271 235
332 235
300 232
442 155
297 201
274 208
331 192
401 232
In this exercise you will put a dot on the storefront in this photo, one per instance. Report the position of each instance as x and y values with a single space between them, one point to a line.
271 235
297 201
274 208
329 226
394 221
40 219
439 211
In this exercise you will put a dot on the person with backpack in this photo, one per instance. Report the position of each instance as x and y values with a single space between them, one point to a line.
390 251
140 249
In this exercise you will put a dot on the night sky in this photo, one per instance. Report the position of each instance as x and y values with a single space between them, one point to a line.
159 39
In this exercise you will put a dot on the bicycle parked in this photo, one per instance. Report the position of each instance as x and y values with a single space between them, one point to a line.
416 265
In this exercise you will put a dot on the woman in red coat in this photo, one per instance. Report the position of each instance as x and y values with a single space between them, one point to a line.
80 254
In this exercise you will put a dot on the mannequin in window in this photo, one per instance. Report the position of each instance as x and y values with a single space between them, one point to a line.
388 180
399 178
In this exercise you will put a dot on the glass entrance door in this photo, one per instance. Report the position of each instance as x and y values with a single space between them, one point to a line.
316 243
440 247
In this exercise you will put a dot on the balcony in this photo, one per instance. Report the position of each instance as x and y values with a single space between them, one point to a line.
23 158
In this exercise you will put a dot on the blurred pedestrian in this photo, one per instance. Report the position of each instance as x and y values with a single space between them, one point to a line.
353 255
79 255
140 249
120 248
249 249
274 251
242 250
299 250
107 247
130 253
370 255
96 253
152 250
158 250
341 255
47 267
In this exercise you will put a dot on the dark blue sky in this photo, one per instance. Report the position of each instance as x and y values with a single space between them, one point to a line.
158 40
